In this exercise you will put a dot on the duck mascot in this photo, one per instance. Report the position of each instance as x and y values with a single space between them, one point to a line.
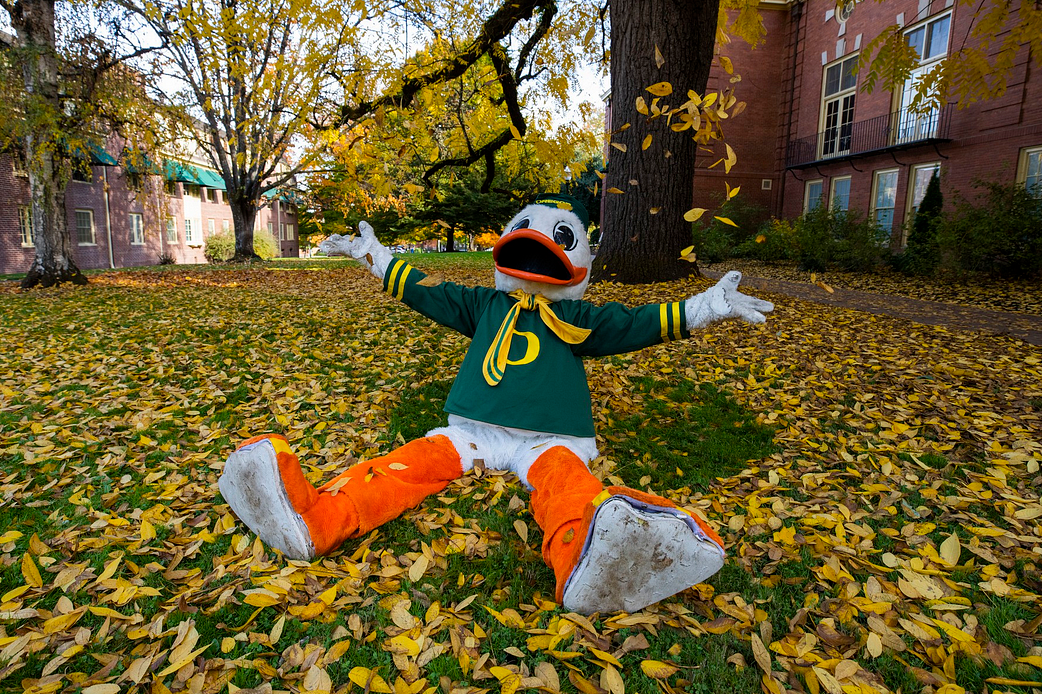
520 403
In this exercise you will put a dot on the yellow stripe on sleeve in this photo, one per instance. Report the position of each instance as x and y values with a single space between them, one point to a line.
664 320
394 276
401 283
676 321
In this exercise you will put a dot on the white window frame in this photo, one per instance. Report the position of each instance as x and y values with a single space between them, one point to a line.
290 232
1029 166
838 142
93 234
282 231
807 196
171 226
226 226
271 229
912 127
137 229
832 192
191 190
911 204
190 232
874 208
25 225
211 225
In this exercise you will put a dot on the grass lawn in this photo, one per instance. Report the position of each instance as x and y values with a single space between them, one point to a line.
876 483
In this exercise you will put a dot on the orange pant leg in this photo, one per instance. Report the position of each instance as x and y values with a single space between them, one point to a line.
367 494
564 496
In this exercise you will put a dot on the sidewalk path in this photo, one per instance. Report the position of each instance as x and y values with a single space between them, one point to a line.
1021 326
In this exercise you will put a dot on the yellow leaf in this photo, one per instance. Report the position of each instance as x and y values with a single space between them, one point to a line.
694 214
363 676
1035 660
761 238
826 287
874 645
30 573
403 645
509 681
521 528
951 550
107 688
418 568
761 654
606 657
642 108
9 536
1004 681
409 188
515 132
726 64
615 190
731 192
661 89
227 644
62 622
261 598
725 220
656 669
619 146
659 60
611 681
646 143
276 630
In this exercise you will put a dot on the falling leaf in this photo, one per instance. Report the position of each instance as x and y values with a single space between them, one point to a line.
659 60
725 220
514 132
760 238
615 191
619 146
694 214
661 89
646 143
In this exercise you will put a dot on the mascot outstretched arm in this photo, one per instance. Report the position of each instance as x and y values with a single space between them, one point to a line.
521 403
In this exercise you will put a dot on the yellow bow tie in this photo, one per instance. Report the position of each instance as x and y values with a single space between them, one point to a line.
495 363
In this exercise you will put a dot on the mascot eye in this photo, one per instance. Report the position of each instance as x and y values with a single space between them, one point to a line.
523 224
564 237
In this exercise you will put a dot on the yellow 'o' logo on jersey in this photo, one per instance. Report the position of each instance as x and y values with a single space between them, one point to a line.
531 351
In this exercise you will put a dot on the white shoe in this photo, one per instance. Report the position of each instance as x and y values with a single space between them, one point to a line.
636 554
253 487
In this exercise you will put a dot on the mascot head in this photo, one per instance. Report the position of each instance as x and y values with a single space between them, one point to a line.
544 250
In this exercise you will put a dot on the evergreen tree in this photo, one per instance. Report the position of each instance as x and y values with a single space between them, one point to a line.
923 254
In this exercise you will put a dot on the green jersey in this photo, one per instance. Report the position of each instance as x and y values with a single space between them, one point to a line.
543 387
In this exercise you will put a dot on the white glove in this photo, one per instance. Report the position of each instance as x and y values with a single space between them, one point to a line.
723 300
364 248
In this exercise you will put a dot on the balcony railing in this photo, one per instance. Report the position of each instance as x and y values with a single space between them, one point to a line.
897 130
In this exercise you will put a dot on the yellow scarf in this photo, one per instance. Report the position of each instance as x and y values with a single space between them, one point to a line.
495 363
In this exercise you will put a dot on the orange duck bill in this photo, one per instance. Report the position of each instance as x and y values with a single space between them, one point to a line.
530 255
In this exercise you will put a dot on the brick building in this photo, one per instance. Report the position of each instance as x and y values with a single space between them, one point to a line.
118 218
812 136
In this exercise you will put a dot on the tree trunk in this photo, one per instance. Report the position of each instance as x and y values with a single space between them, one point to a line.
244 213
638 245
450 240
52 262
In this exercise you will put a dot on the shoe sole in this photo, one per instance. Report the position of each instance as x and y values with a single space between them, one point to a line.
253 487
636 557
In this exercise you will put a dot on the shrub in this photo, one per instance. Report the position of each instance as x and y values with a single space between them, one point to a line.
923 254
167 259
776 240
1001 235
715 240
220 247
835 238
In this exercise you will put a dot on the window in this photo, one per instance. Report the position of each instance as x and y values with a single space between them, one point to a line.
839 195
171 188
134 181
930 41
85 227
812 195
18 161
171 230
271 229
1029 170
225 226
290 231
837 109
82 172
137 230
25 224
282 232
190 232
211 194
884 199
921 175
211 225
191 190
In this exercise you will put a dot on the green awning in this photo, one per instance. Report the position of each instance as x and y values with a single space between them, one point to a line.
211 179
187 173
138 163
286 196
95 152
